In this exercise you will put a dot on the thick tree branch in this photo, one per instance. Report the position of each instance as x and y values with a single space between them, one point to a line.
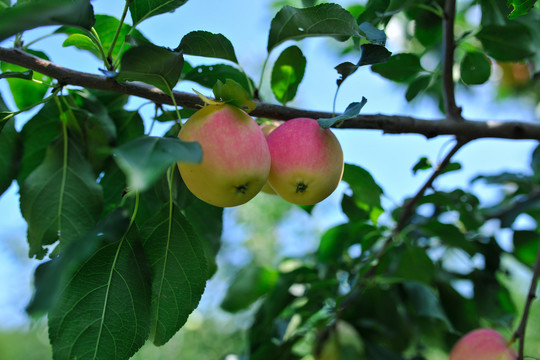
453 112
393 124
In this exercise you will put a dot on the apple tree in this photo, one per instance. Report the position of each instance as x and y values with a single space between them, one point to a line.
127 249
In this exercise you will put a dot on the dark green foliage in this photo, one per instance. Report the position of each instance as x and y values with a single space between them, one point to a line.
131 249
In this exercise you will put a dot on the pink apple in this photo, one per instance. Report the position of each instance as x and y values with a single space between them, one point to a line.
236 159
307 161
482 344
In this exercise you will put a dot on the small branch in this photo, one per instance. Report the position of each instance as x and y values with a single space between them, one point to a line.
453 112
410 205
392 124
407 210
520 332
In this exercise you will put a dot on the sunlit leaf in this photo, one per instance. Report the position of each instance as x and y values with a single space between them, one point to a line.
145 159
423 164
321 20
287 74
30 15
60 199
178 266
520 7
106 27
104 311
144 9
26 92
234 94
207 44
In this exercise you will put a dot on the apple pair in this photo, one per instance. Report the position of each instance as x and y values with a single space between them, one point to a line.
302 161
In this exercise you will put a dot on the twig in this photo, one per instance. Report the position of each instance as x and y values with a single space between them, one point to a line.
453 112
410 205
520 331
392 124
407 210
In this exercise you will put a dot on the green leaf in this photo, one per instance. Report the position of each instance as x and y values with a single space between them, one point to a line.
178 266
287 74
366 192
129 125
423 164
512 42
208 75
30 15
26 93
321 20
247 286
106 27
399 68
475 68
351 112
207 221
50 277
416 86
143 9
371 54
82 42
526 246
153 65
207 44
520 7
10 153
234 94
60 199
36 135
407 263
425 302
145 159
104 311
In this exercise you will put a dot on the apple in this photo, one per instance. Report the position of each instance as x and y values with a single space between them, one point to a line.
307 161
236 159
267 127
482 344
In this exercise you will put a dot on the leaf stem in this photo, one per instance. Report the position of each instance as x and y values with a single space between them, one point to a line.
262 75
36 40
118 30
43 101
64 170
95 38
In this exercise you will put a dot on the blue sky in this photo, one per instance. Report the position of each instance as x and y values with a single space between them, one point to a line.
245 23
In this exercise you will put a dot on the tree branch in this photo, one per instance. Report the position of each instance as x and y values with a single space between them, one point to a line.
453 112
520 332
393 124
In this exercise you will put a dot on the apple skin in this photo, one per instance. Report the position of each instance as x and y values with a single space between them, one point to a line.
482 344
236 159
307 161
267 128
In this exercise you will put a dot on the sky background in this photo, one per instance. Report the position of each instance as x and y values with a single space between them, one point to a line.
389 158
